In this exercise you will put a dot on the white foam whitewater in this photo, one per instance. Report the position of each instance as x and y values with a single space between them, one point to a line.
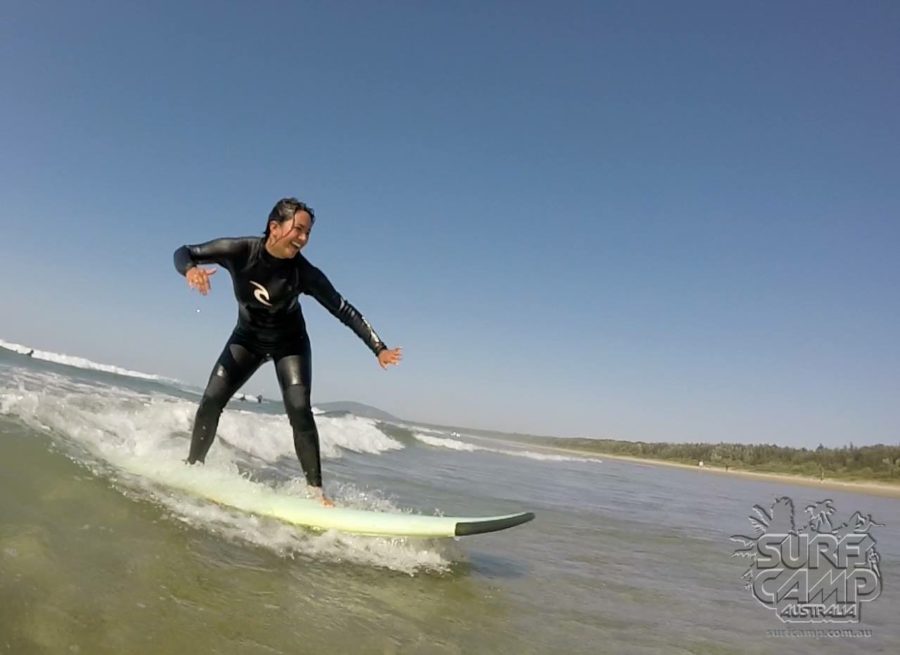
456 444
79 362
116 432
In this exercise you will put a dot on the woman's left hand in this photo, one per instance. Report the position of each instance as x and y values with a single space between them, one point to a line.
390 357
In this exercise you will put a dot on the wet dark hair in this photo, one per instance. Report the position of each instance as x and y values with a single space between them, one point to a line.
285 209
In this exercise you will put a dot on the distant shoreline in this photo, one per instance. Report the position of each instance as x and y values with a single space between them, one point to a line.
871 488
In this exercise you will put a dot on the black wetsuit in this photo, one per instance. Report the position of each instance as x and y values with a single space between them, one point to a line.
270 326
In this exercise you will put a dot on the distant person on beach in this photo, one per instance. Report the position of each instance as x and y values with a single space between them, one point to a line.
268 275
30 353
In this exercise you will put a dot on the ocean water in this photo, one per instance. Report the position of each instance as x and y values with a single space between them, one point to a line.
621 558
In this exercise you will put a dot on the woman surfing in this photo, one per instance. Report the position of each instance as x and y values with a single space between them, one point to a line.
268 275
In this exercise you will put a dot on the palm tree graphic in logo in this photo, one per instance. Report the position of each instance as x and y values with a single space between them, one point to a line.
820 515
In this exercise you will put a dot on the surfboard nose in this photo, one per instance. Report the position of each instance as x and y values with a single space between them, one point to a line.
465 528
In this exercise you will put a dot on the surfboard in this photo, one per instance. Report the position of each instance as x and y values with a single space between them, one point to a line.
259 499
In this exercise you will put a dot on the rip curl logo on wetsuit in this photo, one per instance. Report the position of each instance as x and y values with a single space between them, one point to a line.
261 293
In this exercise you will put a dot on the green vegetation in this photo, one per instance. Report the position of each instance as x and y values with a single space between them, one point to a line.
866 464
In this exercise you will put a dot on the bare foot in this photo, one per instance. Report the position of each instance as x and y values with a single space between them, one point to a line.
319 494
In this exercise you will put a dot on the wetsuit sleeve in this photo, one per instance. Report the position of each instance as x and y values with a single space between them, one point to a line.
319 287
217 251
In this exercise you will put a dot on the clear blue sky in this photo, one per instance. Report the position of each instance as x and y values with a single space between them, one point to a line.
645 220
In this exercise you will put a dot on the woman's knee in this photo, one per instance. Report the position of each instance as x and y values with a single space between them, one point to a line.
297 404
215 397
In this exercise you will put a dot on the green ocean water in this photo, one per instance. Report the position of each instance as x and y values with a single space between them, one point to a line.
622 558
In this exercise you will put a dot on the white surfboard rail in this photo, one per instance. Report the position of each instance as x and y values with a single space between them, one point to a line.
255 498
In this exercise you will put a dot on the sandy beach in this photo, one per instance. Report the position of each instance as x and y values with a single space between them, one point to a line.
872 488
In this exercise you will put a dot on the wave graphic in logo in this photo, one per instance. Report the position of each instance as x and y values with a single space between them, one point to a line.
261 293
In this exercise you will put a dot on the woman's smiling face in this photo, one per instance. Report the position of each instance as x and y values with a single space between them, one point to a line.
289 237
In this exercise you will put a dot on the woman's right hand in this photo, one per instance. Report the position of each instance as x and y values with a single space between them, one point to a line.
198 278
